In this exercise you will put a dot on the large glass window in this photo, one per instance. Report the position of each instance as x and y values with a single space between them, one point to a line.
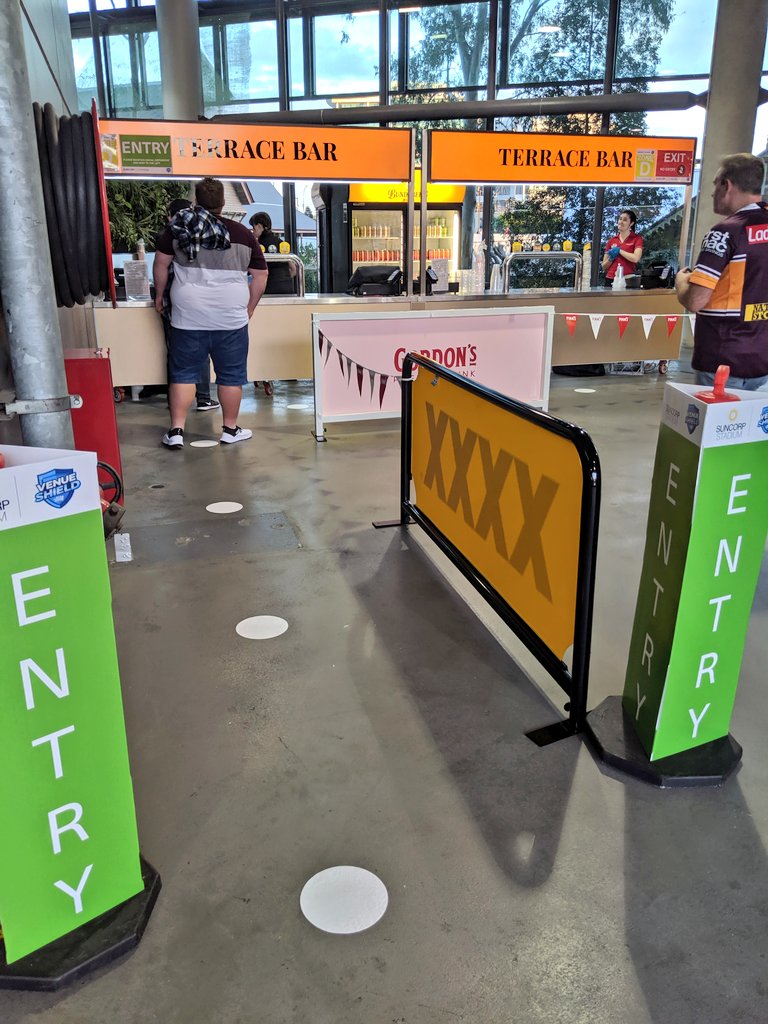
669 39
346 54
132 69
443 47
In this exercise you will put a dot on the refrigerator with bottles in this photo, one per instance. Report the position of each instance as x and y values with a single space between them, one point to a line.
366 224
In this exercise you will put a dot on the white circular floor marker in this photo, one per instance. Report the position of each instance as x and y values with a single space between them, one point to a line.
344 900
203 444
261 627
585 391
297 406
222 507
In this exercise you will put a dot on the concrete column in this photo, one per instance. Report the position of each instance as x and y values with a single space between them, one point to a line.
178 30
737 61
26 277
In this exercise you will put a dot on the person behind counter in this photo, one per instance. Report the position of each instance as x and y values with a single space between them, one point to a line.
281 274
624 250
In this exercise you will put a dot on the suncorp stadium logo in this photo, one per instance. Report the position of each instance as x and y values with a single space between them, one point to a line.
56 487
763 421
733 430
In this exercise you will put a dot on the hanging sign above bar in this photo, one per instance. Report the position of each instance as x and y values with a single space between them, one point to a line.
397 192
534 158
194 149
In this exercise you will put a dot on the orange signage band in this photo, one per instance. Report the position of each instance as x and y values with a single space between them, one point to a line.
537 158
194 149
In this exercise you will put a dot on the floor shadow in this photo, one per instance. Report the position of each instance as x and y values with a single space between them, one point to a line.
477 704
697 905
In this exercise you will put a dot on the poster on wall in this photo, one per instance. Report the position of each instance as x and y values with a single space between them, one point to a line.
358 357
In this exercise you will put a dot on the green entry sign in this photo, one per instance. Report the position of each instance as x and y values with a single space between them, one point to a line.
704 544
69 847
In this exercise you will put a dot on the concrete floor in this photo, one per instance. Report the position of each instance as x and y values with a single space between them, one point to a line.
385 729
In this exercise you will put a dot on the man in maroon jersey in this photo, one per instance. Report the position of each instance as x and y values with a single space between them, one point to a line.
728 288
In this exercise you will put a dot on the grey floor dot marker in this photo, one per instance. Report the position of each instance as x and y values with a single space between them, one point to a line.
344 900
261 627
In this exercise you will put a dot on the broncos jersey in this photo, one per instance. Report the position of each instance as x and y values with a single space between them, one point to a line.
733 264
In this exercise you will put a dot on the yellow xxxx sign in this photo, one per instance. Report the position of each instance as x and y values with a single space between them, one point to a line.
507 494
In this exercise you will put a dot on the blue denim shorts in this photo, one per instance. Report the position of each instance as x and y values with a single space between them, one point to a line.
187 351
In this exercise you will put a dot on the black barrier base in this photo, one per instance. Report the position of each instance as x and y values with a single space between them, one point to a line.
87 948
615 742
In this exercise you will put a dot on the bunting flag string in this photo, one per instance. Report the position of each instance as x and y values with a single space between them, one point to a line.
348 365
320 341
648 320
692 320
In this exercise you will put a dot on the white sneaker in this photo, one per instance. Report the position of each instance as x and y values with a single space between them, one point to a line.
240 434
174 438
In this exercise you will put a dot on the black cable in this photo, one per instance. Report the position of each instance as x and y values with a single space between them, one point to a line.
61 284
56 164
81 206
67 156
96 255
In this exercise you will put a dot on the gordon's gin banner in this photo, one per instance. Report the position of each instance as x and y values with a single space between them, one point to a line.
358 358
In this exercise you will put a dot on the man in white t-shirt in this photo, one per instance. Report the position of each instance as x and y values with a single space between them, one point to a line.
219 275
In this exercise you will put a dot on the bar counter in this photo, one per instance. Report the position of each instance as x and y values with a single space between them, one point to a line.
281 328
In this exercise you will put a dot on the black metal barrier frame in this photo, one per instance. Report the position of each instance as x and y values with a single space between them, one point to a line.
575 681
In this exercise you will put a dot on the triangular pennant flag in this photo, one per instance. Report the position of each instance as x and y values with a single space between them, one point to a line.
360 371
596 319
648 319
671 324
692 320
570 319
372 378
341 361
349 369
320 340
623 324
399 382
382 388
327 352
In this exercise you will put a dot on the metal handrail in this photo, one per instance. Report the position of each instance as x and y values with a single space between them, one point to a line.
542 255
292 258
